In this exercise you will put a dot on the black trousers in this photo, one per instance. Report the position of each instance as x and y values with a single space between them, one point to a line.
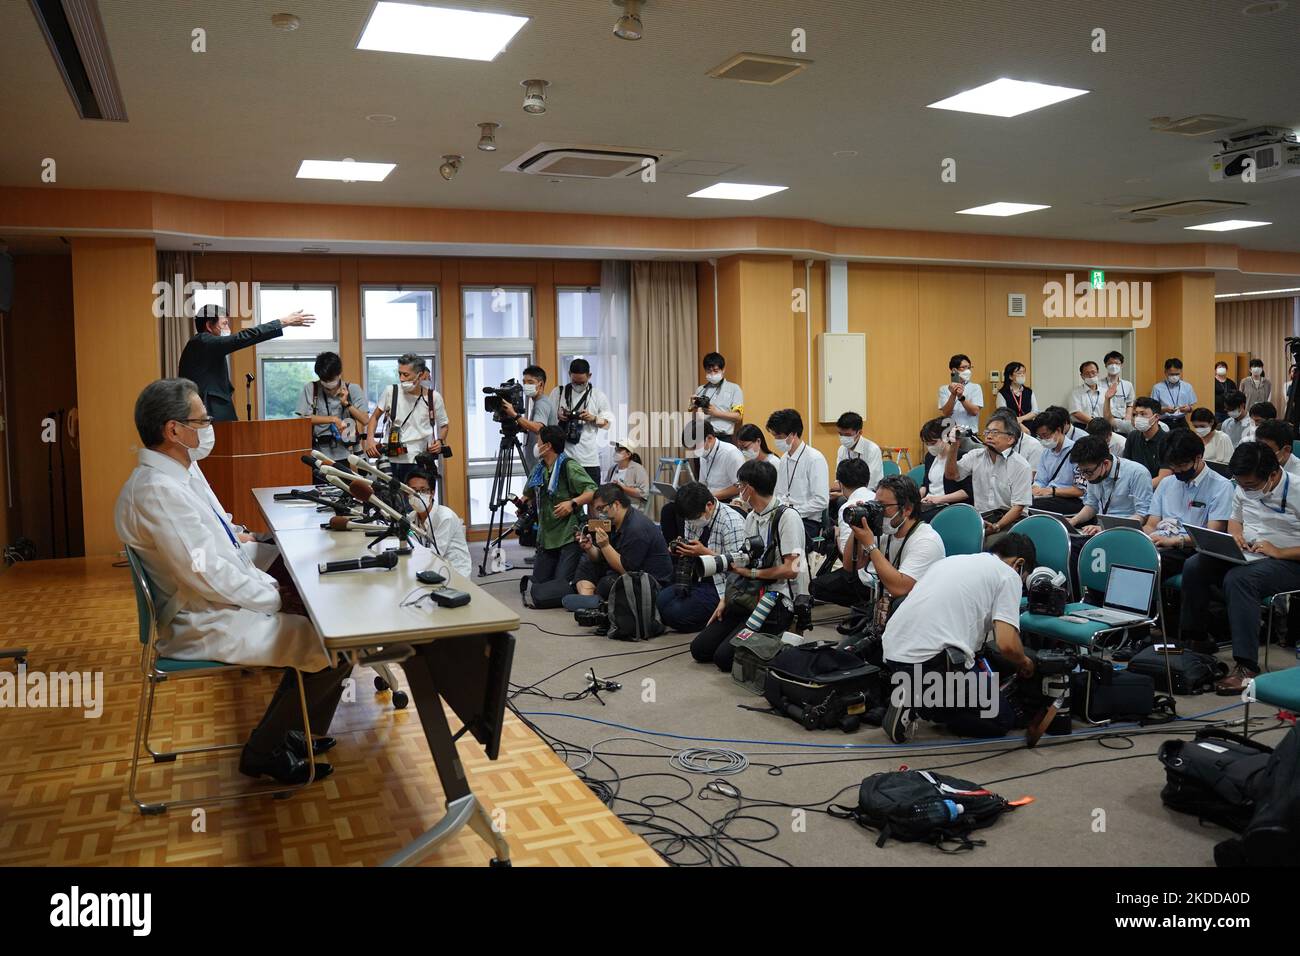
324 689
962 721
553 571
842 587
714 642
594 471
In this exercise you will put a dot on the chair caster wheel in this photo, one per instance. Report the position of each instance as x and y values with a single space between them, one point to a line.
381 685
400 700
153 810
496 863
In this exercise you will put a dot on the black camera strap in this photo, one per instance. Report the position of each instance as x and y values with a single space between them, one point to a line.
568 399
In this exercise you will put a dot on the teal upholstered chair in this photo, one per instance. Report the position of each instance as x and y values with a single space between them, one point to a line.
888 468
1051 541
154 670
1278 689
961 528
917 475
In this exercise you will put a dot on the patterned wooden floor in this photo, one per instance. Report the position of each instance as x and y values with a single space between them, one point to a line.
63 776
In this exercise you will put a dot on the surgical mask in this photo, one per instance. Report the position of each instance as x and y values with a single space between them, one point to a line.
1018 380
1239 414
896 522
749 453
1174 379
207 440
418 502
577 384
1202 430
782 445
1090 380
1256 372
1185 476
529 390
713 378
409 387
1142 423
1114 369
224 332
1220 371
537 451
935 449
331 385
964 375
1256 494
848 441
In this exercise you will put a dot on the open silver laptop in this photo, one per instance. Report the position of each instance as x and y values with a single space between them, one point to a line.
1219 544
1115 521
1128 597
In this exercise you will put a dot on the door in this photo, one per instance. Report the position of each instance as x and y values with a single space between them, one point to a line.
1058 353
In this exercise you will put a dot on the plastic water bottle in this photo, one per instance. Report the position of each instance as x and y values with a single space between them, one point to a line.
938 813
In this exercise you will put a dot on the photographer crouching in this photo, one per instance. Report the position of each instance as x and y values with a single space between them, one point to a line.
711 529
616 540
772 564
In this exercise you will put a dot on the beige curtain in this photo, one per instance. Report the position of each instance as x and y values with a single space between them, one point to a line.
175 329
661 352
1258 326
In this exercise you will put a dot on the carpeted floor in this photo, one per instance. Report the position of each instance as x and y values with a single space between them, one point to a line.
1095 795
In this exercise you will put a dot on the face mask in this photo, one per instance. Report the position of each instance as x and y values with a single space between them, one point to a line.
713 378
1018 380
1254 495
1185 476
896 522
1174 379
537 451
782 445
1202 430
331 385
964 375
224 332
207 439
1114 369
418 502
1256 372
935 449
1090 380
749 453
1142 424
1220 371
409 387
1239 414
848 441
577 384
529 390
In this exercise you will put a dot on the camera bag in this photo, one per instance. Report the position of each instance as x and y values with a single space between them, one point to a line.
754 651
1192 673
822 686
633 611
1115 695
1215 776
923 806
1272 835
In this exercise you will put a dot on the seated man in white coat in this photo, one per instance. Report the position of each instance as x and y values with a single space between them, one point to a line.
212 603
438 521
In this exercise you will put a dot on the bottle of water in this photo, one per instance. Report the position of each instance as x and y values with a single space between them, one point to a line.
938 813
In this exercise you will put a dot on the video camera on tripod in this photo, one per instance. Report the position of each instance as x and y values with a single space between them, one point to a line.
511 392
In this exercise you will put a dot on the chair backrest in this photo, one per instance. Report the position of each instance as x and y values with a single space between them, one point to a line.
144 607
1295 447
961 528
917 475
888 468
1051 541
1116 546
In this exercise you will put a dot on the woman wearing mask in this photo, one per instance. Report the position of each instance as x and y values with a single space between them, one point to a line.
1218 446
337 410
1257 387
937 491
1017 396
445 530
629 474
753 445
1222 386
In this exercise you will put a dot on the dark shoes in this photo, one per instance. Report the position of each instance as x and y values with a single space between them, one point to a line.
899 723
1235 683
281 765
1201 646
297 742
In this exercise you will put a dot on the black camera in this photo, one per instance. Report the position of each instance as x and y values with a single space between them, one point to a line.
872 511
749 556
597 617
1047 593
511 392
526 522
700 402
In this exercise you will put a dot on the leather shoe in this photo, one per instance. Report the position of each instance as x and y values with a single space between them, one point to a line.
280 765
296 741
1234 683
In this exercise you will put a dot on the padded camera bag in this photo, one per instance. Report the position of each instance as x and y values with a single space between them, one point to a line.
1214 776
822 686
1193 673
754 652
1114 695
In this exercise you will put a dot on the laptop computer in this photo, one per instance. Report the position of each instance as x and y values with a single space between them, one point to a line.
1219 467
669 492
1128 597
1219 544
1115 521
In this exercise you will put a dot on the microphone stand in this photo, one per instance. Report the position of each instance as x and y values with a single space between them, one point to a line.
63 487
248 396
401 530
49 482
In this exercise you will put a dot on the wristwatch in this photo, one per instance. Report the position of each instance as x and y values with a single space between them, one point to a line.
871 547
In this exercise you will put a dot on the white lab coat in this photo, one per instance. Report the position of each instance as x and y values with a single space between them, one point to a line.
263 554
212 602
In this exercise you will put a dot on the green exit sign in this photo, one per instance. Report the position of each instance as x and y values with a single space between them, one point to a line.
1098 278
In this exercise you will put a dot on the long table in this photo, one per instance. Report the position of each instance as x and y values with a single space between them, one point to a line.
462 654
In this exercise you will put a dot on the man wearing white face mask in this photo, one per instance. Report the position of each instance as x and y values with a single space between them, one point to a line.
438 521
418 411
855 445
1119 394
583 411
719 463
1146 442
206 358
719 400
1256 386
337 410
802 476
961 399
1088 400
211 602
538 413
1237 423
1175 396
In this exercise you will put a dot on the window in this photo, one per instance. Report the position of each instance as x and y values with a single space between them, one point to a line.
287 362
498 346
396 320
577 311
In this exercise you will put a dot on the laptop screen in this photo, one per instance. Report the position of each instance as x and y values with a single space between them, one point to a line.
1129 589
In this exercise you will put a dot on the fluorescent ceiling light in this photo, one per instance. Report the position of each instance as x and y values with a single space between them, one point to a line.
1004 97
1228 225
745 191
1234 295
1001 209
345 170
438 31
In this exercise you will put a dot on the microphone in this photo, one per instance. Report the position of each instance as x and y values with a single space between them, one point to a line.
339 484
386 560
345 523
364 492
249 377
321 457
356 461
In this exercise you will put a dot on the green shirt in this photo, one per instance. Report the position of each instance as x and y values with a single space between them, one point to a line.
556 532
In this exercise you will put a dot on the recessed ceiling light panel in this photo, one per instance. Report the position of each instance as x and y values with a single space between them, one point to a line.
1001 209
746 192
345 170
1006 97
1228 225
438 31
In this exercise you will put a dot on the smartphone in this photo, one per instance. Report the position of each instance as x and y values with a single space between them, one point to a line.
956 378
597 524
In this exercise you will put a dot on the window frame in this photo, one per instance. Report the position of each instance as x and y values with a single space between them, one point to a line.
585 346
281 349
500 346
376 348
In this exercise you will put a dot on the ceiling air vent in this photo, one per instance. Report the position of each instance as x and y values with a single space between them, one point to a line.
1187 207
1015 304
75 33
759 68
1197 125
586 162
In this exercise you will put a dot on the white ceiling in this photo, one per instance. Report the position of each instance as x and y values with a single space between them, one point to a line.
235 122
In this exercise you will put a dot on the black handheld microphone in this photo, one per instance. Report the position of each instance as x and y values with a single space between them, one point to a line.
387 560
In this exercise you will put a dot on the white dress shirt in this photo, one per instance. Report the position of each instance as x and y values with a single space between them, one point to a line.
1275 518
587 451
974 395
413 415
211 602
448 533
803 480
719 465
867 450
1000 483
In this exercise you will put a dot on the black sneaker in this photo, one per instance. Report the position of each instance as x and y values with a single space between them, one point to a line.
899 723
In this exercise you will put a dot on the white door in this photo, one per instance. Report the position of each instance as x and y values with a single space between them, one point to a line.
1058 353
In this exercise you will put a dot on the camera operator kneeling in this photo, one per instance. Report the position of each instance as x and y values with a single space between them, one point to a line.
712 529
776 565
631 542
942 628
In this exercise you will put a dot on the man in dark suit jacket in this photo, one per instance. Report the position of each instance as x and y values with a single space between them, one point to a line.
205 360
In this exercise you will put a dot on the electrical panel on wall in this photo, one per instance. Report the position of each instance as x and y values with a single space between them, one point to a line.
843 357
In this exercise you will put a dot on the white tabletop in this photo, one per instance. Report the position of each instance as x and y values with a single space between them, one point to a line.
289 515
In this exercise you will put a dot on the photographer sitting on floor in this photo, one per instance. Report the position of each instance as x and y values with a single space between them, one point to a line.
778 567
712 528
632 542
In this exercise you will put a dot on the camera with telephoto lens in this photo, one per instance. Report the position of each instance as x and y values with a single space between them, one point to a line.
872 511
685 568
597 617
749 556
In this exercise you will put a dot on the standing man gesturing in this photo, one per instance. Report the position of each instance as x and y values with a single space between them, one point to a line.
205 360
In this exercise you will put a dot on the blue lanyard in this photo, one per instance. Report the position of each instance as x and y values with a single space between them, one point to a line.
226 528
1286 487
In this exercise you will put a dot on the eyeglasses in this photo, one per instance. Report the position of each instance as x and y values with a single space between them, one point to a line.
990 432
203 422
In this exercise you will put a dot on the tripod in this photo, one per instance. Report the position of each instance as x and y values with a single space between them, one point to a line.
499 497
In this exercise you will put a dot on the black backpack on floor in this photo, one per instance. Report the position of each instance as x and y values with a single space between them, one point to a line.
923 806
822 686
1214 776
633 613
1193 673
1272 835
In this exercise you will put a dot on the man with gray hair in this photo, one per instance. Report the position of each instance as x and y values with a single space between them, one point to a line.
415 410
211 601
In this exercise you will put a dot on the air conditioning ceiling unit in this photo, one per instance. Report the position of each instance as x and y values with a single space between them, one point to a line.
588 162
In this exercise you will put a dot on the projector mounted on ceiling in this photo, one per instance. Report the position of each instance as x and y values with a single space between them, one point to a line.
588 162
1273 150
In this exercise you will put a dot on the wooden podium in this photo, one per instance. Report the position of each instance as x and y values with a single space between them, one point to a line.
260 454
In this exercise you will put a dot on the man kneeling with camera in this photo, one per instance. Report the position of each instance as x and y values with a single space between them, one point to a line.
617 539
712 529
772 563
